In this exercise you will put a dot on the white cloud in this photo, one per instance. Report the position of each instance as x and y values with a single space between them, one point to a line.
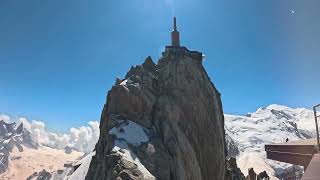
25 123
84 138
5 118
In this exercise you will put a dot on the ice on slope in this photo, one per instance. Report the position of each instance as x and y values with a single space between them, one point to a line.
82 170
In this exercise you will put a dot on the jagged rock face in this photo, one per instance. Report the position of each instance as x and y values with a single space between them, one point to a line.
180 113
232 147
135 97
12 136
43 175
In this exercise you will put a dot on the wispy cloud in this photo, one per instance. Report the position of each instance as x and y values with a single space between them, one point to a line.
5 118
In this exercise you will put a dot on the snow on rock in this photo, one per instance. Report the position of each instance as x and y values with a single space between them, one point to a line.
128 132
81 171
127 82
123 149
271 124
124 82
131 132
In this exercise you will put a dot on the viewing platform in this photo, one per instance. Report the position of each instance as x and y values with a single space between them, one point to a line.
304 153
295 152
182 51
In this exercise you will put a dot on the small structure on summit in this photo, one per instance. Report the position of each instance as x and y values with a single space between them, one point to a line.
175 50
175 40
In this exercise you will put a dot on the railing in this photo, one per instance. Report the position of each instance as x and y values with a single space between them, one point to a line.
295 174
293 177
316 120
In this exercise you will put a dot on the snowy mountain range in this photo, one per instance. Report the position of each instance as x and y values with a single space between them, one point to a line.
248 134
28 145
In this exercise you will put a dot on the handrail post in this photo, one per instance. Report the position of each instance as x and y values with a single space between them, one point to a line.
316 120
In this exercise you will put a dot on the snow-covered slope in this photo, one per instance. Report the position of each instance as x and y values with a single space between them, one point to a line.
271 124
81 171
30 160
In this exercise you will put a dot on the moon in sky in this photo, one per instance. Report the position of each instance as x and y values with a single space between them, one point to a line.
292 11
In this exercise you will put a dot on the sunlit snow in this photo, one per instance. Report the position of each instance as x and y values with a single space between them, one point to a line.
132 133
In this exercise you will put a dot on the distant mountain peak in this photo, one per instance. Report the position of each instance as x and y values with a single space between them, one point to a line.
12 135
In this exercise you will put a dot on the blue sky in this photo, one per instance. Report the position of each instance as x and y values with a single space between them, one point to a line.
59 58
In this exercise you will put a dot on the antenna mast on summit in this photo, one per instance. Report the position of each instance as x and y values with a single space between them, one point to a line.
175 39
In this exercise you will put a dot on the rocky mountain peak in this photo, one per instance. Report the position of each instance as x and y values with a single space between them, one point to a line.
6 129
12 135
149 65
163 121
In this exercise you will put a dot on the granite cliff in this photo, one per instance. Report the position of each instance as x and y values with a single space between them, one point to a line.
162 121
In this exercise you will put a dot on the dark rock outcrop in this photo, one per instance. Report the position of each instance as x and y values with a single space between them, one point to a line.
263 176
232 147
232 170
253 176
179 110
42 175
68 150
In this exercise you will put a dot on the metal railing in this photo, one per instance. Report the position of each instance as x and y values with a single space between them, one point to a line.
316 120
